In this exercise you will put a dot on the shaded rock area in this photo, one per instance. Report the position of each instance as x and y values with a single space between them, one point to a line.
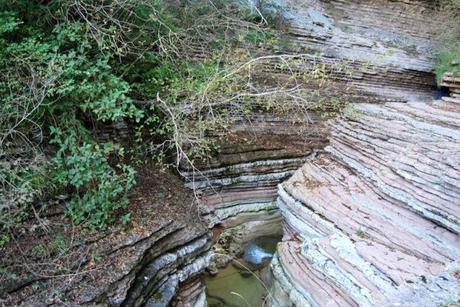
191 293
236 189
141 263
451 82
376 219
231 240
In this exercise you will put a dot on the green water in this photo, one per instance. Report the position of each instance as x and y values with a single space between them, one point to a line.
236 287
267 243
232 287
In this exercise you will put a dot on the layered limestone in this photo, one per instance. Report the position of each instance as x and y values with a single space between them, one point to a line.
452 82
371 51
142 263
239 183
236 189
382 49
145 268
375 220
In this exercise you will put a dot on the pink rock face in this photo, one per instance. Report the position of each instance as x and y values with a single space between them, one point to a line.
379 213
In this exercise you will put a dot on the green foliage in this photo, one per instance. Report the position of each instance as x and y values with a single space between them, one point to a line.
362 234
448 54
451 303
58 245
67 68
4 239
332 108
448 59
40 251
54 75
83 166
258 37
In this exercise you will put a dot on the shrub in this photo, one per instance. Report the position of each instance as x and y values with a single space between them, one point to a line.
99 189
448 59
55 73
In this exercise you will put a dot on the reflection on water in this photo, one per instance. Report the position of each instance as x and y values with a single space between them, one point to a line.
239 284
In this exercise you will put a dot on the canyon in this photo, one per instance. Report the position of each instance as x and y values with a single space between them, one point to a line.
373 219
367 203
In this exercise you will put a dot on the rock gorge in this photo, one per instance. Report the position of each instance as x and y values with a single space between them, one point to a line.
368 203
373 220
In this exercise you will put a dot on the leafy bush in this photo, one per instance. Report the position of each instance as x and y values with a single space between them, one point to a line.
59 74
82 165
448 59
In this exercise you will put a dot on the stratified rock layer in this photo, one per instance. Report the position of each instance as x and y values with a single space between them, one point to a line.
376 219
142 263
381 48
370 50
452 82
240 182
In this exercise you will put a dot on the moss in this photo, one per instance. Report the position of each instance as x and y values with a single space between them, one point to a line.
362 234
448 61
157 296
448 55
451 303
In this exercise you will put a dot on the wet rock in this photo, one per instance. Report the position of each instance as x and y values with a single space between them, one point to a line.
212 269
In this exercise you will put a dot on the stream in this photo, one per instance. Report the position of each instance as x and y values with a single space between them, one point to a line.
241 283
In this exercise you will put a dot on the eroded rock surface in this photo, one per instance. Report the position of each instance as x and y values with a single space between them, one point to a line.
372 51
239 183
382 48
376 219
377 216
142 263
